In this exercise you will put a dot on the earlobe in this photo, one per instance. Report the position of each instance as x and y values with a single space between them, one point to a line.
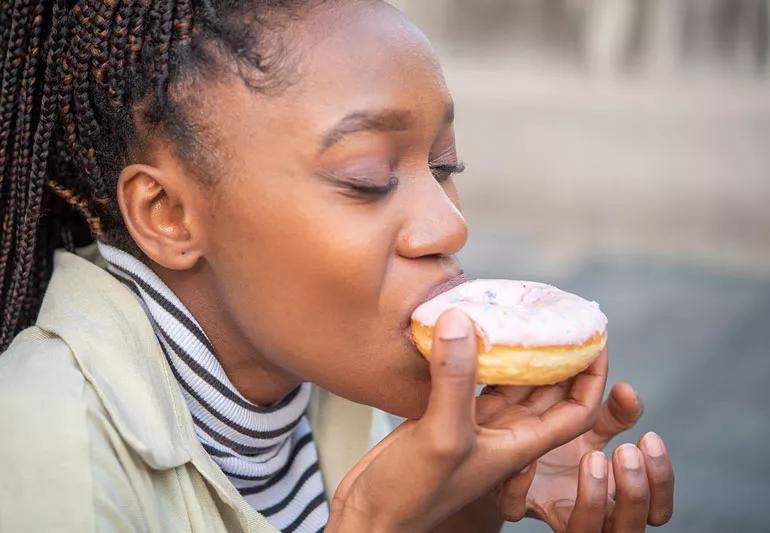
159 213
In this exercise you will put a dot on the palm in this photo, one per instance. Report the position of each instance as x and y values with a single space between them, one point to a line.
555 483
554 487
563 461
553 490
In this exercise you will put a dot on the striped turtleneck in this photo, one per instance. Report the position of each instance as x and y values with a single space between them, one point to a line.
267 452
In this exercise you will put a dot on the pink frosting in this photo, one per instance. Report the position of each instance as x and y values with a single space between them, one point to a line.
519 313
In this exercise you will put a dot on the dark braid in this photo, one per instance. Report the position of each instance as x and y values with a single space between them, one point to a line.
85 84
29 195
17 55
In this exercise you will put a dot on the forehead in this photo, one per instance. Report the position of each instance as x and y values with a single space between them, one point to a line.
366 47
350 55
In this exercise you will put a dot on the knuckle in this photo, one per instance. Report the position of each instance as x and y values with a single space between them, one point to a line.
455 369
585 415
451 447
636 496
594 502
660 483
593 411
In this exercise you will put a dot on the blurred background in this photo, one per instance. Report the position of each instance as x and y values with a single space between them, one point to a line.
620 149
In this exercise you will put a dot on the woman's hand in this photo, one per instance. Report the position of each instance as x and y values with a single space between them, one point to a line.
428 469
574 490
638 488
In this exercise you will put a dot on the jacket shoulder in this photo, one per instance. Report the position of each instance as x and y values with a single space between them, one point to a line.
45 449
37 367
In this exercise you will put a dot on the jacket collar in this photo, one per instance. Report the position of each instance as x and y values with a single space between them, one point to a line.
114 344
116 348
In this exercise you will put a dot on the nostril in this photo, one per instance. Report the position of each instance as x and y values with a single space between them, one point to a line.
430 238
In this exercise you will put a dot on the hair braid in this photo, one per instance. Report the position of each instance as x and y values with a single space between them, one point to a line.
103 21
81 81
118 42
28 196
136 32
87 125
157 55
183 21
9 97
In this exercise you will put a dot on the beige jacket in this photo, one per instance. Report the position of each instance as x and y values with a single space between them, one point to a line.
96 436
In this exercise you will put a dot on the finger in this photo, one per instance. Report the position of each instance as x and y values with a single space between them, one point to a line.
489 402
527 436
453 362
547 396
620 412
512 394
577 413
660 476
632 495
494 398
588 515
513 496
610 506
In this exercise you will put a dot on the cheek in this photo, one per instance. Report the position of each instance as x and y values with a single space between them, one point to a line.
296 275
313 290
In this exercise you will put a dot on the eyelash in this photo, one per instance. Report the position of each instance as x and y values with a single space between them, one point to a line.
440 172
448 170
374 190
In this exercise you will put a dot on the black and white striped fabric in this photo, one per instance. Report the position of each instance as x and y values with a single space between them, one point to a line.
268 453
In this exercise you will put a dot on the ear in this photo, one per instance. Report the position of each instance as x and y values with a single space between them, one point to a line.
161 210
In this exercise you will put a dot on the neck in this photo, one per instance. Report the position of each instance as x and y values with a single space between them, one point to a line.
253 376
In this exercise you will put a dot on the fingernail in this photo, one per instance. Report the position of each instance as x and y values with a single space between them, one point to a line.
629 457
654 444
525 469
597 465
454 326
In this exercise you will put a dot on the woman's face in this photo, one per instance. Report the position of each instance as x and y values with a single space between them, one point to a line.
330 225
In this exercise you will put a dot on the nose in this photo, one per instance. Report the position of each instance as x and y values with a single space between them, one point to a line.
434 224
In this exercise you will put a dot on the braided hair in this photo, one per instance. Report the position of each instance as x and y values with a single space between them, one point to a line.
85 85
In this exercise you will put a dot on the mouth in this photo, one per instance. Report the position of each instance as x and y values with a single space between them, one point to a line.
433 291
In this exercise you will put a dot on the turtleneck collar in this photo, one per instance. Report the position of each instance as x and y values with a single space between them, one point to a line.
267 452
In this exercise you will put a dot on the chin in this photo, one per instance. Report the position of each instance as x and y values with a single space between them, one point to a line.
413 410
399 386
409 391
406 396
407 406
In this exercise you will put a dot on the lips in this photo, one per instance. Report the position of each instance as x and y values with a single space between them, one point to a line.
439 288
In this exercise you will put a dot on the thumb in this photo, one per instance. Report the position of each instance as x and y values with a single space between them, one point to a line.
513 496
453 363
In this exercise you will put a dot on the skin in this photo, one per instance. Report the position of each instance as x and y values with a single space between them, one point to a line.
284 225
296 275
455 451
566 492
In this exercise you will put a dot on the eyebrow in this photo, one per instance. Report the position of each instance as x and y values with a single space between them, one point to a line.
375 120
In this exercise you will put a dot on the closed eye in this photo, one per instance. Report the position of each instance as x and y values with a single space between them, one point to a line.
445 171
374 189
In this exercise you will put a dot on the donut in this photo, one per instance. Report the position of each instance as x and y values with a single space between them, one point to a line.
527 333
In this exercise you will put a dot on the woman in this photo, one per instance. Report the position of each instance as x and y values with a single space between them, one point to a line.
270 185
